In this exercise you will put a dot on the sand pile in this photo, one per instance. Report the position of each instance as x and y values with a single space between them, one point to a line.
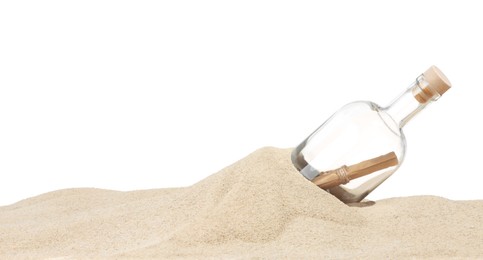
258 207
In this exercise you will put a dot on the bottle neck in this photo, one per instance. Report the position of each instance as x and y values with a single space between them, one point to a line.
410 102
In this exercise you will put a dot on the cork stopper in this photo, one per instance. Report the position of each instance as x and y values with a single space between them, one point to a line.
435 84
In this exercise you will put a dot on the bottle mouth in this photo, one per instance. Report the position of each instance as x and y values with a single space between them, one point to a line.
423 92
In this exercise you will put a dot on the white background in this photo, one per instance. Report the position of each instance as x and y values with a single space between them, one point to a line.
131 95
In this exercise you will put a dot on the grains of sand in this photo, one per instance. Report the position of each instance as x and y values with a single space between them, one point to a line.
259 207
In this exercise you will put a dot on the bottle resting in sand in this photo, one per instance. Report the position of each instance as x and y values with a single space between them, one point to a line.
362 144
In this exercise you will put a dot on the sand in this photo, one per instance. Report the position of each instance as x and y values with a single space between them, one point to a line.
259 207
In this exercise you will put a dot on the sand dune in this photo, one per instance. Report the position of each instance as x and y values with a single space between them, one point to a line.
258 207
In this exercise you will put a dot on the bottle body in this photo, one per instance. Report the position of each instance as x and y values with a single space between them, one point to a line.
357 132
363 144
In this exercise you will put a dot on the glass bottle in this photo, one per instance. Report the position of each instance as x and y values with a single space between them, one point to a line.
362 144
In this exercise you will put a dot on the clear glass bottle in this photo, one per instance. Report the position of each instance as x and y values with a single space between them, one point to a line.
362 144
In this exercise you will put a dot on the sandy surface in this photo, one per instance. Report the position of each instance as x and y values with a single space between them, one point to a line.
258 207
